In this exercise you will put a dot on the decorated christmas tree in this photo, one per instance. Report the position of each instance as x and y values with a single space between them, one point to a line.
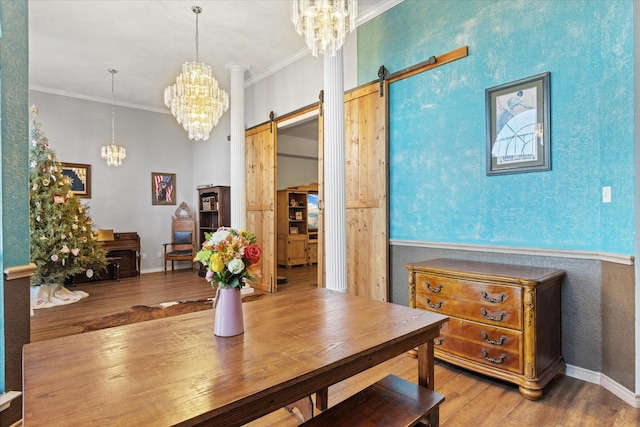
62 240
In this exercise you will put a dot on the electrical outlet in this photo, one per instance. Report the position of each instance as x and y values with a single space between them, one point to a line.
606 194
159 254
144 255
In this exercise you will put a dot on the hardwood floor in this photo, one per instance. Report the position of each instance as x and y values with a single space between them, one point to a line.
470 399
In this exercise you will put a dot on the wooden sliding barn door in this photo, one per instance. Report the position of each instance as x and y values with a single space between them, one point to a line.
366 190
260 158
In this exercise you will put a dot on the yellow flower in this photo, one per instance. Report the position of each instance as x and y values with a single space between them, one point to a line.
217 265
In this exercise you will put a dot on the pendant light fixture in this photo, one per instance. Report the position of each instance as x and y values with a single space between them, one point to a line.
112 153
195 100
324 23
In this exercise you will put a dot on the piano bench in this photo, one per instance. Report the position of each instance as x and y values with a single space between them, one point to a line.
391 402
113 264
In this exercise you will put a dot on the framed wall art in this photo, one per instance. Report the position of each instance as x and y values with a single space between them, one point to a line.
163 187
518 126
80 176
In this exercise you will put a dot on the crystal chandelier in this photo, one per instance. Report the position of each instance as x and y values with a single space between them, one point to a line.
195 100
112 153
324 23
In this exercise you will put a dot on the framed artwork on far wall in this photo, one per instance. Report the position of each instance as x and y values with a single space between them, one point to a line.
518 126
163 188
80 177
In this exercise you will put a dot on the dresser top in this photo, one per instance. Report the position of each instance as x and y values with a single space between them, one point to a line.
485 270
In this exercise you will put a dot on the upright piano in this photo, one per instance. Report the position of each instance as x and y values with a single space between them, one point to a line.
123 258
126 247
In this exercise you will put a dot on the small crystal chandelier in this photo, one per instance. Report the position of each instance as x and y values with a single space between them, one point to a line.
112 153
195 100
324 23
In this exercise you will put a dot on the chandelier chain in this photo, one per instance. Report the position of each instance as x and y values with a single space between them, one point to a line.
197 10
113 111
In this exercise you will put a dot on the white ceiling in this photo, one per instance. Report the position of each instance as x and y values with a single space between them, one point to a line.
73 43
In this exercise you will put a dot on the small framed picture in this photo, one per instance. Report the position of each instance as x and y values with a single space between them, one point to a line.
80 177
293 230
299 216
163 187
518 126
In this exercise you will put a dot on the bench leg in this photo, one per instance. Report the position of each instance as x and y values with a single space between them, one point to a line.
432 419
304 405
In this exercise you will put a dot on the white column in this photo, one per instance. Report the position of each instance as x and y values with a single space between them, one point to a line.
238 193
335 205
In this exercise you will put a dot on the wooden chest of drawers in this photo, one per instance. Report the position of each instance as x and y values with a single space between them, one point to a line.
504 321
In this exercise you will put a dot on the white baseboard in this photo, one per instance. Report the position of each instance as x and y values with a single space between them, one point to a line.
605 382
151 270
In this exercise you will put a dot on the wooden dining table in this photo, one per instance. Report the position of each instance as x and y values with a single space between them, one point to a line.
175 371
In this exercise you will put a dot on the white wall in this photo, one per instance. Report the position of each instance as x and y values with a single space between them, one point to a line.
211 157
299 164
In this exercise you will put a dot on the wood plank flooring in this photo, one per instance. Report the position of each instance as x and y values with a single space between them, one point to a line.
471 399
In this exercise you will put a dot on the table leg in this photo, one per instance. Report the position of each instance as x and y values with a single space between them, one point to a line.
426 365
426 372
322 399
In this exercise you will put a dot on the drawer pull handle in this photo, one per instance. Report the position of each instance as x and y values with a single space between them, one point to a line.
501 341
434 306
486 297
434 290
503 357
497 318
438 341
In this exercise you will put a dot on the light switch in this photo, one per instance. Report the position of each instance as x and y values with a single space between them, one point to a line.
606 194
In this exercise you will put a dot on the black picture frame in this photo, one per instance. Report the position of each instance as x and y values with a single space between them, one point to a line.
518 126
79 175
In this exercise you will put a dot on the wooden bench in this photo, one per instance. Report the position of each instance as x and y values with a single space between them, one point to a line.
392 401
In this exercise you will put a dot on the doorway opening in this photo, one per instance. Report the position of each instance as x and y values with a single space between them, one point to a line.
297 168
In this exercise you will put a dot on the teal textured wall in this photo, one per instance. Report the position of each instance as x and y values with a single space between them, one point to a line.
14 111
439 191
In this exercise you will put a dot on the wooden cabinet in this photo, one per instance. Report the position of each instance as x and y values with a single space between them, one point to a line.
214 211
292 228
312 248
504 321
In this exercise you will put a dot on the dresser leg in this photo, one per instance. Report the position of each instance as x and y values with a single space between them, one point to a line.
530 394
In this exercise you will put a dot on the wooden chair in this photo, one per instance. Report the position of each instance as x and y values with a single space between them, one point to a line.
183 235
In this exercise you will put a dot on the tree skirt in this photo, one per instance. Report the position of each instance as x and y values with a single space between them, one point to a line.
45 296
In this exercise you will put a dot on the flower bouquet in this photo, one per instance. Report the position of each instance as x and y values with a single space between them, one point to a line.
230 257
